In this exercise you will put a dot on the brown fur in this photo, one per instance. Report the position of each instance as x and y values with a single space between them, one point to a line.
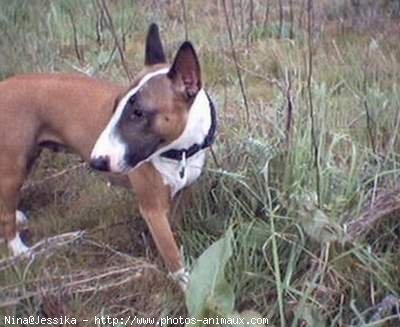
42 108
72 110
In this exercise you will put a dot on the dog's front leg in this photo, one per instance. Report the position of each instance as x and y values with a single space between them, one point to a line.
154 204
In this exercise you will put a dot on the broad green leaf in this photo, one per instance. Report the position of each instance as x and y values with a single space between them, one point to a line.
222 299
208 290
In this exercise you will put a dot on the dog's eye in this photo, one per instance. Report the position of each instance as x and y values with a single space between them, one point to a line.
137 114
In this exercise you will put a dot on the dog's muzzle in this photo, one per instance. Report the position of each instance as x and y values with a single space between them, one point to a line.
108 153
101 163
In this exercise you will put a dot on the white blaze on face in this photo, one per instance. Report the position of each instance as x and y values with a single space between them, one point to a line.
109 144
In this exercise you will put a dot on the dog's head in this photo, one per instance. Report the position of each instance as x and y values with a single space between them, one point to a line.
154 111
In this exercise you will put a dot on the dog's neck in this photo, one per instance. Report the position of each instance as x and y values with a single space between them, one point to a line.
176 169
185 152
198 133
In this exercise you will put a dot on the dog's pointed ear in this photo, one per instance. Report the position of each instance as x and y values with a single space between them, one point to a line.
185 72
154 49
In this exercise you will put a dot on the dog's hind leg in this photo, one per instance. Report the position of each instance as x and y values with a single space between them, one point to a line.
11 178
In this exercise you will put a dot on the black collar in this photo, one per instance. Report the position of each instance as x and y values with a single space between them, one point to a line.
177 154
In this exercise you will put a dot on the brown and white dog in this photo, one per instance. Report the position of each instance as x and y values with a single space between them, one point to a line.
160 127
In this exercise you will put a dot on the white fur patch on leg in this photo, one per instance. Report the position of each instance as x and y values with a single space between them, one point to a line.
182 277
21 218
17 246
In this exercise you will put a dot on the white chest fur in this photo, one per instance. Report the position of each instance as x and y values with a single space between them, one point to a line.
196 129
169 170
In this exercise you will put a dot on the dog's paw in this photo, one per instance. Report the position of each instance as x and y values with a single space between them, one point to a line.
21 218
18 247
182 277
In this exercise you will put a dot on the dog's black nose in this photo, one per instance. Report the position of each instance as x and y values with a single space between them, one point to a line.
100 163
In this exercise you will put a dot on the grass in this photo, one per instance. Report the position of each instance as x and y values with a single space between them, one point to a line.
291 261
